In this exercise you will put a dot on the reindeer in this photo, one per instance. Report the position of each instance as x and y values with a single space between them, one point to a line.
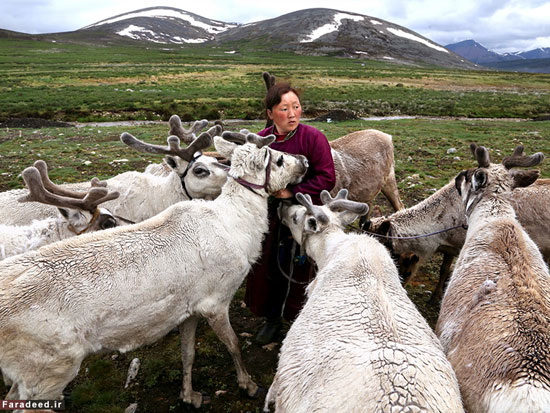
79 213
494 322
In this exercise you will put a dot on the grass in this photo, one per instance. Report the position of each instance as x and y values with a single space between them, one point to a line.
92 83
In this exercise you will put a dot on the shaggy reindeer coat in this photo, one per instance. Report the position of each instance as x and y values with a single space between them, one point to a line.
359 344
444 210
494 322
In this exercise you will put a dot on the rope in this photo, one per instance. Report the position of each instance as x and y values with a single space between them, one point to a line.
463 226
283 273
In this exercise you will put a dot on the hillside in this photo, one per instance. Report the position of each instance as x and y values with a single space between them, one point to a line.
313 32
333 32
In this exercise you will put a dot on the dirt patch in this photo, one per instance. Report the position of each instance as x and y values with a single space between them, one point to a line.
337 115
35 123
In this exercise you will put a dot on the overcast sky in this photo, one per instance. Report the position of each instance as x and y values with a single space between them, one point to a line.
500 25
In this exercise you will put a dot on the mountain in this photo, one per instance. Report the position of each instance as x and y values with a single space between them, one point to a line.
535 61
162 25
540 53
475 52
523 65
333 32
317 31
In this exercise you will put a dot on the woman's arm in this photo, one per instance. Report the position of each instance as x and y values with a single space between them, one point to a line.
321 173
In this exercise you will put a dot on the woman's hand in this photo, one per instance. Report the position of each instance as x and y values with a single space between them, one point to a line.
283 193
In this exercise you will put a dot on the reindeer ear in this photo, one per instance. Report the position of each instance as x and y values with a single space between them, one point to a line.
64 212
311 225
459 180
224 147
479 179
384 228
524 178
171 161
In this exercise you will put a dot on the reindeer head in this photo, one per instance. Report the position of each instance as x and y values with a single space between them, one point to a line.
489 178
252 161
80 209
201 176
306 219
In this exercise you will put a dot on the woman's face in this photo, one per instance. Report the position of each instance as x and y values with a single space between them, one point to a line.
286 115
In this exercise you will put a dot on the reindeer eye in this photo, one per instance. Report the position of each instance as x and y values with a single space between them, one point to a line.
108 223
280 161
201 171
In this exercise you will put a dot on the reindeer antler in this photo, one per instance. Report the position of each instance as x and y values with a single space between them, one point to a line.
314 210
518 159
236 137
481 154
269 82
341 202
174 148
268 79
42 168
186 135
260 141
38 193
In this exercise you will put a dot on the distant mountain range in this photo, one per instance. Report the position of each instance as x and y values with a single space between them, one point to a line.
537 60
310 32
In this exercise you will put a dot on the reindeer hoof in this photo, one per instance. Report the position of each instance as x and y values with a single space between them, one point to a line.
260 393
196 399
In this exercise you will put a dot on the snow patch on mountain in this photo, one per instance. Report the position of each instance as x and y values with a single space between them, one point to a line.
411 36
331 27
137 33
168 13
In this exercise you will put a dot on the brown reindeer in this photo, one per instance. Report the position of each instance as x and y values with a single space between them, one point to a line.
494 322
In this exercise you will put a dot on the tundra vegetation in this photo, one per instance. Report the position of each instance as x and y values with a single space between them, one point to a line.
81 83
85 83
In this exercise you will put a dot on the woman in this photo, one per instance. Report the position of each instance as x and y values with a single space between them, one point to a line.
268 292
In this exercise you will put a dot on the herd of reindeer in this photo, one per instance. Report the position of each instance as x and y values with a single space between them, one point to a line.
117 264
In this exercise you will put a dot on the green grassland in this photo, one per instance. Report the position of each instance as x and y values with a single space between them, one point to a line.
92 83
84 83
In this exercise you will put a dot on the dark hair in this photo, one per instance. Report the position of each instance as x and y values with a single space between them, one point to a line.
273 96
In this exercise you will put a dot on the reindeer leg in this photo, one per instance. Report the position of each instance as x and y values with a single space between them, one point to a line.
391 192
221 326
187 339
444 273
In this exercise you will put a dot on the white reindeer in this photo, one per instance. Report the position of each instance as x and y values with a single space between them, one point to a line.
359 344
142 195
79 212
494 322
125 287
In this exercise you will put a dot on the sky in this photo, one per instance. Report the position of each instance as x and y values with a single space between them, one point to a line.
500 25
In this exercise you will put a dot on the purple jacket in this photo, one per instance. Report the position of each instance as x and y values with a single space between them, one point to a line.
311 143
